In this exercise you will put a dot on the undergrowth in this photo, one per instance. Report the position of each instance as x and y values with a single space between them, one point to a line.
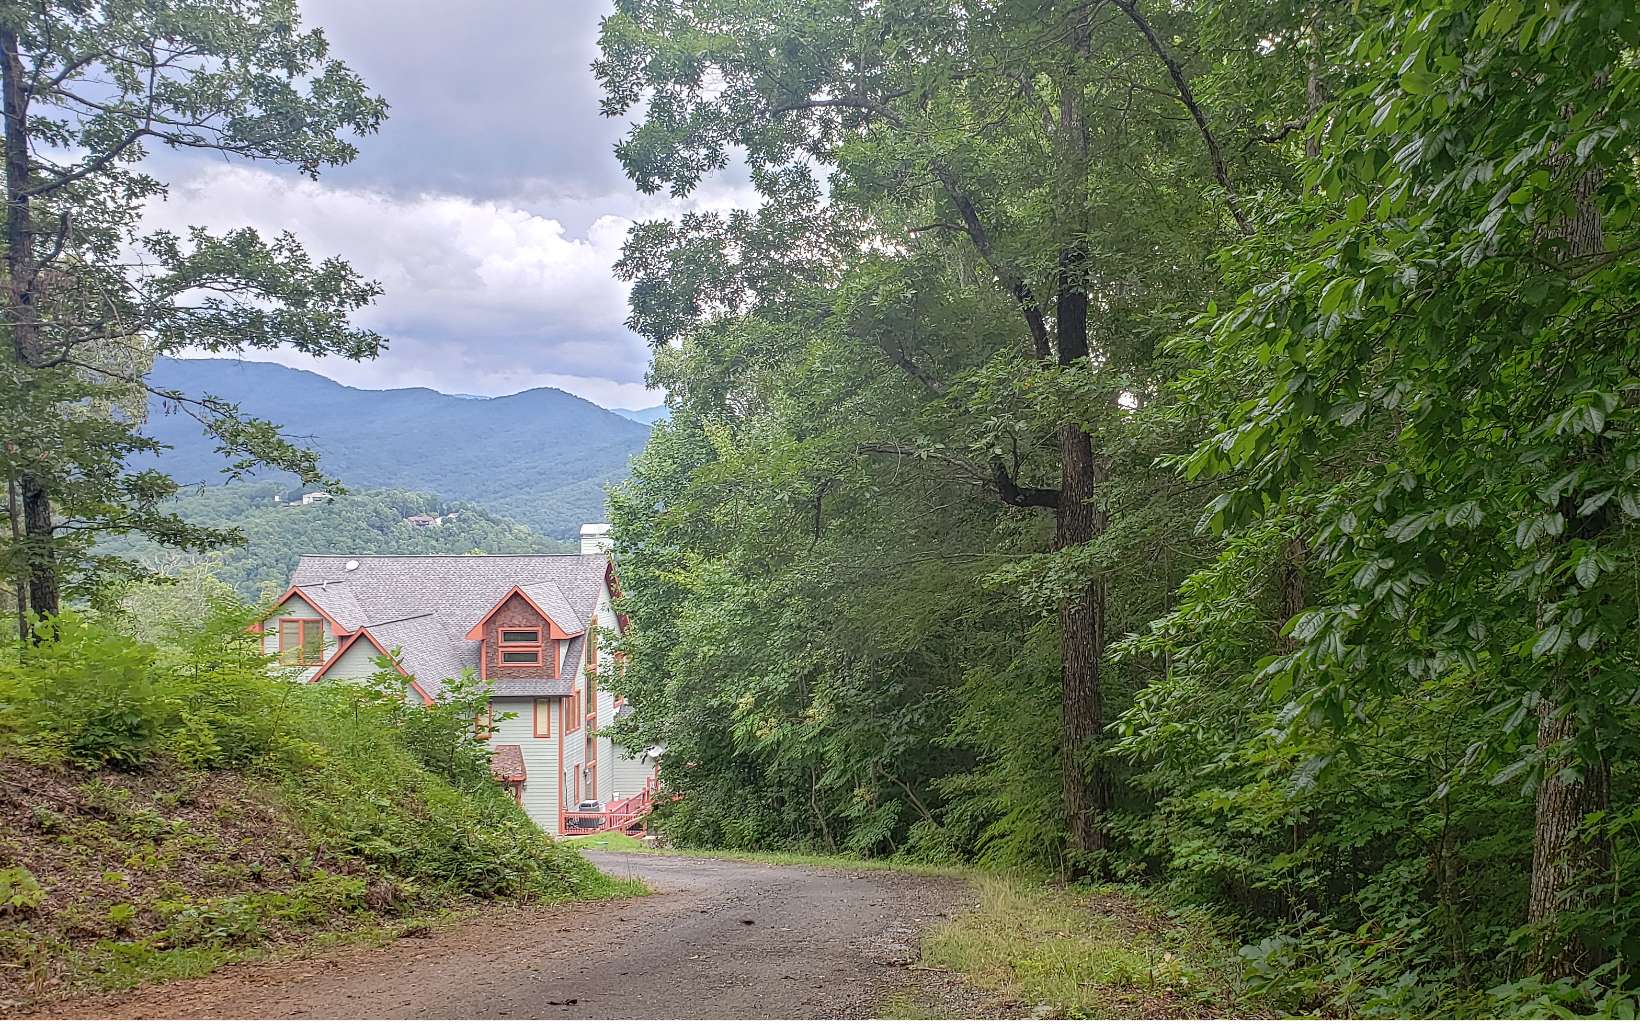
1107 952
167 809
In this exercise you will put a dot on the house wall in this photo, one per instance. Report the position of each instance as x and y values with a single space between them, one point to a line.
295 608
629 772
574 740
516 613
540 795
358 662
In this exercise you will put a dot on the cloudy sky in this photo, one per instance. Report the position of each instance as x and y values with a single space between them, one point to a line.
490 206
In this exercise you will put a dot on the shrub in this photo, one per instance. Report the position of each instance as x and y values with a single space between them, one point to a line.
87 695
403 788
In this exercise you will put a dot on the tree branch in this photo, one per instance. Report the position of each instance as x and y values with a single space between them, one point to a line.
1221 171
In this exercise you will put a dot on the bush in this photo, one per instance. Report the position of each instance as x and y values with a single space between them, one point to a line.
404 789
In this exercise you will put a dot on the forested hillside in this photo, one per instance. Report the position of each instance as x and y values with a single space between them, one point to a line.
170 799
368 522
541 457
1193 444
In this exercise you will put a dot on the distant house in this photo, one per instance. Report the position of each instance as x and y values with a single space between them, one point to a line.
526 624
423 520
315 496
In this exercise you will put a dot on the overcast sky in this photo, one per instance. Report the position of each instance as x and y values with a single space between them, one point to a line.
490 206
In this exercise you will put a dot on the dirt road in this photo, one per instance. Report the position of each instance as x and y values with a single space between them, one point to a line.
718 939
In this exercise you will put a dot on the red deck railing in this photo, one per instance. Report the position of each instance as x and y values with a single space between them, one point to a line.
626 815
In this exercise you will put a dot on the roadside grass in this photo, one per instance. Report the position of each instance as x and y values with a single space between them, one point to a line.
625 844
1104 952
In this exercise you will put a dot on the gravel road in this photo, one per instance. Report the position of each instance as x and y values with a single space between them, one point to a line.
717 939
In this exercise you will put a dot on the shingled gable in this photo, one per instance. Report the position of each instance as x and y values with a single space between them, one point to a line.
426 606
547 601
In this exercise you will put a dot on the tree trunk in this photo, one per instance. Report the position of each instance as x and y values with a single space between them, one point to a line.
38 532
1566 859
1084 779
14 515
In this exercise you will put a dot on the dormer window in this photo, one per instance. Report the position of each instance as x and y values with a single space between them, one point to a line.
520 647
301 642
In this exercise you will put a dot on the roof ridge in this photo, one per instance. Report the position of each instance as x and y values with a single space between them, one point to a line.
400 619
480 555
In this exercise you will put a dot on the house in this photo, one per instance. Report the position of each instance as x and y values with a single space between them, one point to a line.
529 625
423 520
315 496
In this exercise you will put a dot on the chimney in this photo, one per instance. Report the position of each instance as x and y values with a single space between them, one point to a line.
595 538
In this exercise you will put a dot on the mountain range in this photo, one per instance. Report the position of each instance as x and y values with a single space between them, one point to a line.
541 457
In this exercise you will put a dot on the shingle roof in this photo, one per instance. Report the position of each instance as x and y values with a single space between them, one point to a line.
425 604
549 599
546 687
507 763
338 600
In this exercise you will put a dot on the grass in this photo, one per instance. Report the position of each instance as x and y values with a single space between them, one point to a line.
626 844
1106 952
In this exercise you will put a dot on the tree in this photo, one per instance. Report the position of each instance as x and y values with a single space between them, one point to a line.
963 138
88 89
1456 297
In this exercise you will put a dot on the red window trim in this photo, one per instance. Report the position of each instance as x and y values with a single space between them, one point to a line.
302 625
541 720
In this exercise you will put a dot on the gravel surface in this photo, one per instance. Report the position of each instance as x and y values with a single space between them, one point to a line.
717 939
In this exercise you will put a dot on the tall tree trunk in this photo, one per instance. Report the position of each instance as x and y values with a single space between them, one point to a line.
1083 775
14 516
24 318
1565 857
1078 516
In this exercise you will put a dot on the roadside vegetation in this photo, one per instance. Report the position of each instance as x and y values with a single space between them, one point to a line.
1102 952
168 808
1193 445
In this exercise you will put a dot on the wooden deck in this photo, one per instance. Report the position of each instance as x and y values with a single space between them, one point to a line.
628 815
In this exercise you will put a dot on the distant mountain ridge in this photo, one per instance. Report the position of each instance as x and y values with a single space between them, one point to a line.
647 415
541 457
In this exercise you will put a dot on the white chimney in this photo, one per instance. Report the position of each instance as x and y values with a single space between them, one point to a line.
595 538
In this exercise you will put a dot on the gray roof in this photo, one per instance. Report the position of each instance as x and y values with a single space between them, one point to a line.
424 605
550 599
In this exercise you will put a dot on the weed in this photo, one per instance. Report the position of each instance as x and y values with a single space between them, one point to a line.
20 892
1104 952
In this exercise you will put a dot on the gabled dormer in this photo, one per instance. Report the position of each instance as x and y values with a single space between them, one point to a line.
523 636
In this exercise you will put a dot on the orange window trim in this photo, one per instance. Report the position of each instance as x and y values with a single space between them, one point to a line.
297 654
532 648
543 723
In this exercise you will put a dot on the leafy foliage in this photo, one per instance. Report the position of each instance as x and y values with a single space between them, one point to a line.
186 801
1361 395
92 296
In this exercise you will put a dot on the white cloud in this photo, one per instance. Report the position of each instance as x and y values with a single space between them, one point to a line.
481 296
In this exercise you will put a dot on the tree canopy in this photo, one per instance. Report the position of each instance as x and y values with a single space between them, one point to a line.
93 296
1190 442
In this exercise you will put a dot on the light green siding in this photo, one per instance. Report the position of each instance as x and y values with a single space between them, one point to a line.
630 773
540 755
295 608
358 662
